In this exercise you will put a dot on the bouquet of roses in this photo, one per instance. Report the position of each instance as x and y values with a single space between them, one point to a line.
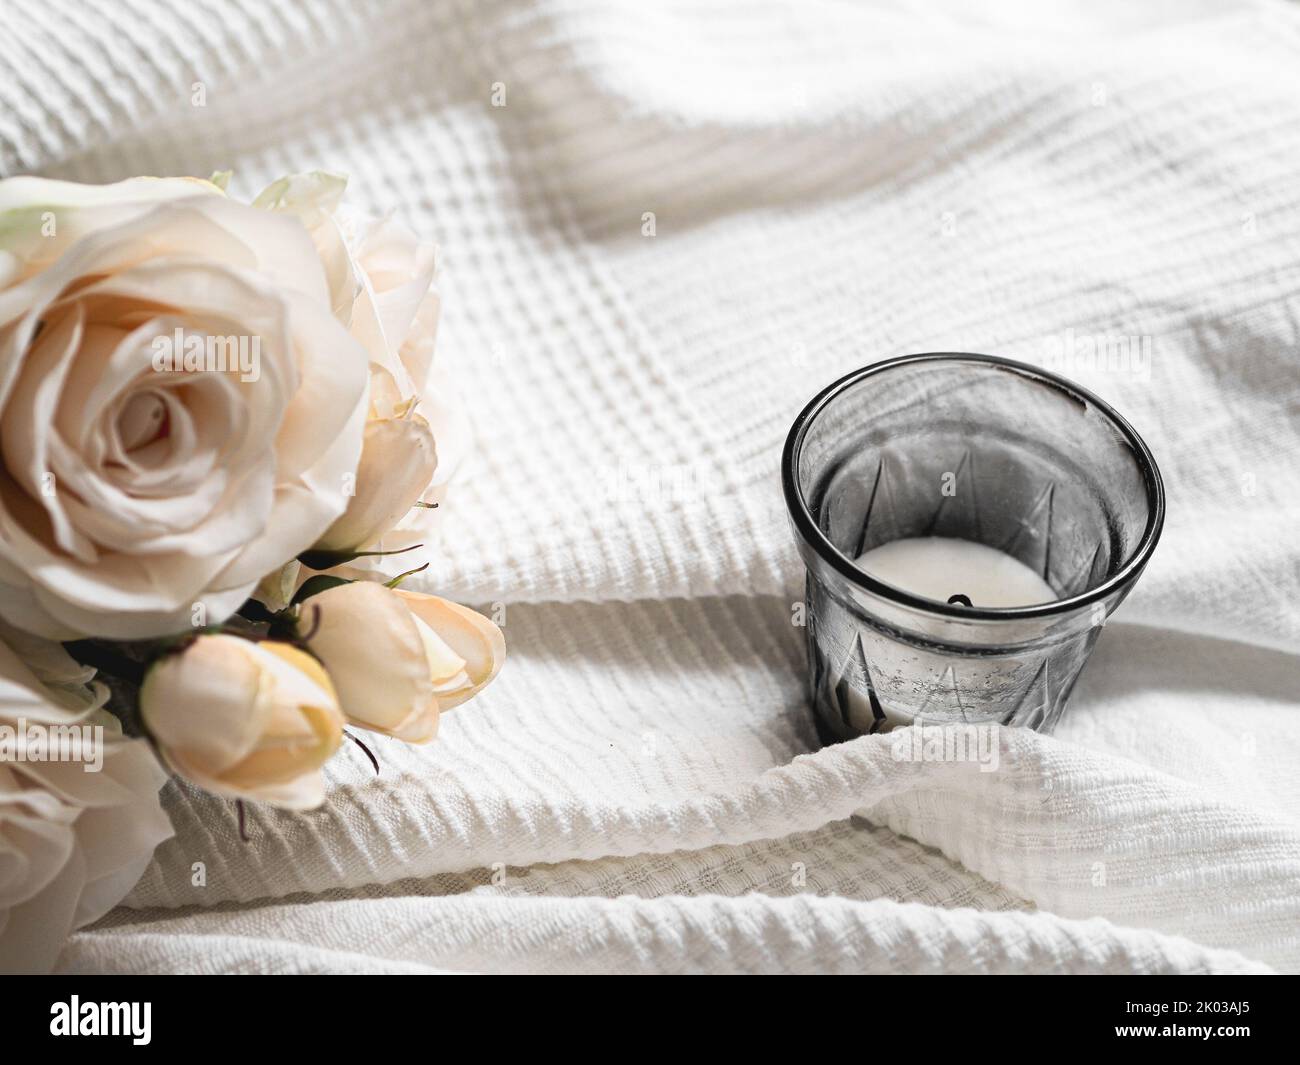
221 440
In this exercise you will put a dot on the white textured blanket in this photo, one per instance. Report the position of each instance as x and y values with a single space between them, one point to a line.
664 227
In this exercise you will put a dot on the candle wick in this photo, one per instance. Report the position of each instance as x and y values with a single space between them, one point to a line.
959 599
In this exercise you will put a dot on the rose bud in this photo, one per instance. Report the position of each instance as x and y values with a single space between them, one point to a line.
398 459
398 658
275 590
242 719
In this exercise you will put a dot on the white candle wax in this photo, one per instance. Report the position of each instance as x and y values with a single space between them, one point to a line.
939 567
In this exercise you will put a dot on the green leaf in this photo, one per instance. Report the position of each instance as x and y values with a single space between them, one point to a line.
330 559
402 576
322 582
252 610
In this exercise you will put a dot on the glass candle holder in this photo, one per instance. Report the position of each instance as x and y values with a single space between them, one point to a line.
977 448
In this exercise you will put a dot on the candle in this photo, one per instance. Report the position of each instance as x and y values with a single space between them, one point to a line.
989 452
943 568
936 567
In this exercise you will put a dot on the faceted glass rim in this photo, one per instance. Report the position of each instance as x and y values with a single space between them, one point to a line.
812 534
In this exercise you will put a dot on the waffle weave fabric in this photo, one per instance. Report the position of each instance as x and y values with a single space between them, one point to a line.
663 228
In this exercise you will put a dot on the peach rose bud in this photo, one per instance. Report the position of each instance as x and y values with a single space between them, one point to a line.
246 720
399 658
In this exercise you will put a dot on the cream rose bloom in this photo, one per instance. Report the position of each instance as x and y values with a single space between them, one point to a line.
128 494
398 458
72 843
245 720
383 284
397 658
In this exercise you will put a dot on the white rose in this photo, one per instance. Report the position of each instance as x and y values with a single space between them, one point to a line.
382 276
245 720
135 492
398 457
72 843
397 658
383 287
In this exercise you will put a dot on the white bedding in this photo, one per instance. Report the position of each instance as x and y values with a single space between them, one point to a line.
830 184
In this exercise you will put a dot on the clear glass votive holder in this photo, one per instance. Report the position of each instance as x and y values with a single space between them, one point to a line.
980 448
